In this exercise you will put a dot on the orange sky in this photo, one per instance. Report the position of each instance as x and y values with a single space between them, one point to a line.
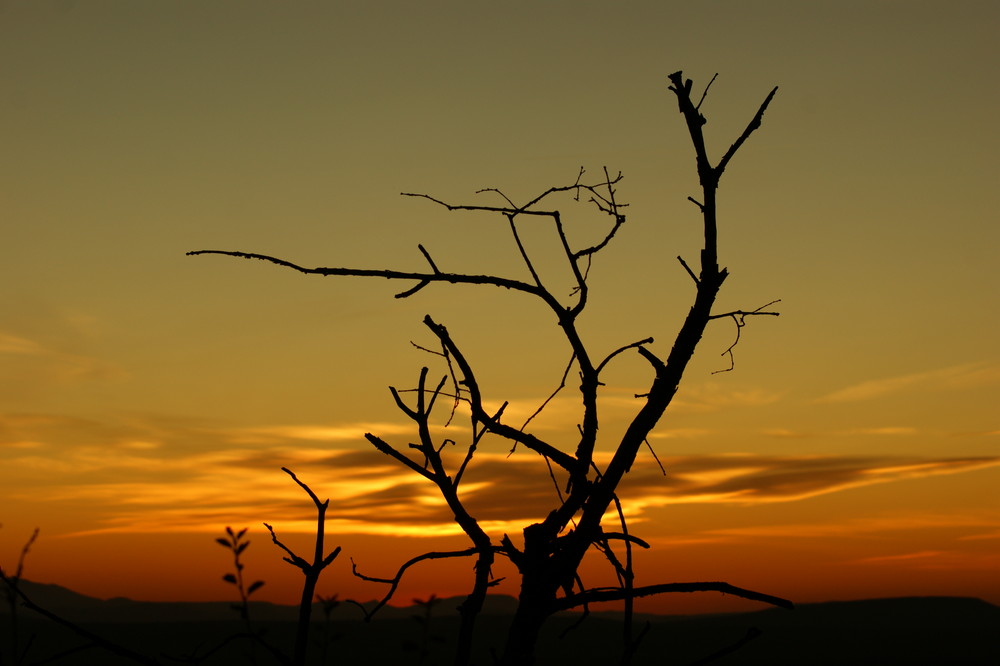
149 399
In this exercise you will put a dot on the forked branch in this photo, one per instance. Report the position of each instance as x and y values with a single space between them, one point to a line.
311 570
739 318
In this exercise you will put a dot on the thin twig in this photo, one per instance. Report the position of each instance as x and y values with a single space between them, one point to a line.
688 269
698 107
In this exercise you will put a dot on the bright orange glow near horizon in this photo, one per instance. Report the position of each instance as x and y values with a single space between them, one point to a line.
150 399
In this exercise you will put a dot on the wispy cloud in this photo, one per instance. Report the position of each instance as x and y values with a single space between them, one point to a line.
890 431
352 432
787 433
155 474
965 561
956 377
981 525
12 344
902 557
370 494
880 431
754 479
680 433
711 397
51 363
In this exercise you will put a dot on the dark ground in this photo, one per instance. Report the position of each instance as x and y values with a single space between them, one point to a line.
931 630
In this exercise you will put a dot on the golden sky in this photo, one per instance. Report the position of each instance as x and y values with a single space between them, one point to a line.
149 399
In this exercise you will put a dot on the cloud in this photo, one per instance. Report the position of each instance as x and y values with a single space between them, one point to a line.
31 361
680 433
147 473
928 560
711 397
750 479
889 431
785 433
903 557
953 378
352 432
886 430
979 433
372 494
986 535
12 344
982 524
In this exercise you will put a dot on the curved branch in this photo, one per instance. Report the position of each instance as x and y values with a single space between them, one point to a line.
389 274
639 343
605 205
292 557
306 488
623 537
617 594
394 581
739 318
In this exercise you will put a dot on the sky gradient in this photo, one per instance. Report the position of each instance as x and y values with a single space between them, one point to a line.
149 399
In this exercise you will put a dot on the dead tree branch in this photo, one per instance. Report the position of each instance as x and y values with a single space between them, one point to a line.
311 570
434 470
554 547
395 580
739 318
595 595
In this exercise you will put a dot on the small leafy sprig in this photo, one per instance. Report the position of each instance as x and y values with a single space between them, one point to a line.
234 542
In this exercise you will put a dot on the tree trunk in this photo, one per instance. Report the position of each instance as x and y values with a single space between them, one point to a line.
533 608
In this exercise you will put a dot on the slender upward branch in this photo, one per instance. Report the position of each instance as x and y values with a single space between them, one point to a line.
707 285
311 570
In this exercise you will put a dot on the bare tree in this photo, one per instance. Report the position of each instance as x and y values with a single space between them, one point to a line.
548 561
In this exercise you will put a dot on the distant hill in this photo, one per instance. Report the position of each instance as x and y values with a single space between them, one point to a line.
63 601
913 631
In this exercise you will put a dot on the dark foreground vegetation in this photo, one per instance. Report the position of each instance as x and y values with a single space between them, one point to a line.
928 630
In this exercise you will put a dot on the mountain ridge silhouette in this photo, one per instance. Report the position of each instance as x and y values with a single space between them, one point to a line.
890 610
926 631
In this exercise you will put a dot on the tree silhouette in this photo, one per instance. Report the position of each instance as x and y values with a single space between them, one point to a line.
553 548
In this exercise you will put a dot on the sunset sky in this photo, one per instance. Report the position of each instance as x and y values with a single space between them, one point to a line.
149 399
